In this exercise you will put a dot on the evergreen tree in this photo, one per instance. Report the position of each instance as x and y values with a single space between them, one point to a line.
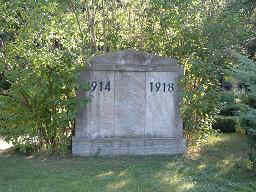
245 73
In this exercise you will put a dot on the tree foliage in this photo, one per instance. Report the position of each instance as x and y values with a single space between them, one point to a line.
39 59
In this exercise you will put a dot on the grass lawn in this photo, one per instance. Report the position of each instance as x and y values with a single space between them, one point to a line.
218 167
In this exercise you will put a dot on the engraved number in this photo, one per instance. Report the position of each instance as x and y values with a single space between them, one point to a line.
170 87
161 86
158 86
94 85
107 86
100 85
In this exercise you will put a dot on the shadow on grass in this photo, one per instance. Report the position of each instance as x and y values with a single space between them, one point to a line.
219 167
222 165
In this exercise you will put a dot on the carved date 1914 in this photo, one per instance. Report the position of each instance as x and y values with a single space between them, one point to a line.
161 86
100 85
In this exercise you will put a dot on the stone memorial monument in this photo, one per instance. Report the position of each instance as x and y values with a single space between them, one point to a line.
133 108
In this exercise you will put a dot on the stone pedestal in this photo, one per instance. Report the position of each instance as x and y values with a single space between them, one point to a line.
133 108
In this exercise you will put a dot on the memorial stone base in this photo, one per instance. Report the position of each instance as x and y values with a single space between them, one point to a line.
127 146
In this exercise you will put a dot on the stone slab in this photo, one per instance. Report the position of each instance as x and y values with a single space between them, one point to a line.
160 104
129 104
96 119
133 108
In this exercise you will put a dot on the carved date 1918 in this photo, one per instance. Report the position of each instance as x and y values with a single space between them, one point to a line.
161 86
100 85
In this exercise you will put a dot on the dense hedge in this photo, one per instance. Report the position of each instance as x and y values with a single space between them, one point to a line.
226 124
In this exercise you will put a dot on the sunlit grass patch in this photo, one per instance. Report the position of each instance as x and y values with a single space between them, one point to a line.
220 166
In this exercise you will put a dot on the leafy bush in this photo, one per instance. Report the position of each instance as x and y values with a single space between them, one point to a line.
227 97
231 110
40 63
248 121
252 149
250 100
226 124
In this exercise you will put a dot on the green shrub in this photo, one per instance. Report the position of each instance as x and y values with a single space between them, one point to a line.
248 121
230 107
227 97
37 107
252 150
226 124
230 110
251 101
245 73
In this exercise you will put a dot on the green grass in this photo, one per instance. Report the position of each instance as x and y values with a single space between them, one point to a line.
219 166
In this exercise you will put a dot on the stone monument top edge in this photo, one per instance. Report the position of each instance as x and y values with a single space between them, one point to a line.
131 57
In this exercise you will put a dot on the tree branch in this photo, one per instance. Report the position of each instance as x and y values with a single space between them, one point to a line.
71 5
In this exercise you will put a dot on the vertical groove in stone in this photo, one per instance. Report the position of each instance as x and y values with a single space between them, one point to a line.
145 97
115 102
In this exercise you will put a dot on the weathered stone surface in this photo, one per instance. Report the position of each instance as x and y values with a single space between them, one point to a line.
128 146
130 104
160 114
96 119
134 106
